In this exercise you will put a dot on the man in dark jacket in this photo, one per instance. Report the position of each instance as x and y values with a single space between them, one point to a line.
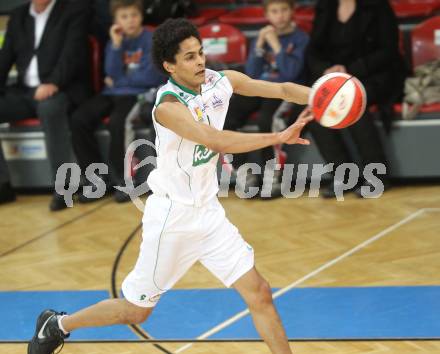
47 42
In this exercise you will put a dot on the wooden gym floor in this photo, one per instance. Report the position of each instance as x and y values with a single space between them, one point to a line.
293 239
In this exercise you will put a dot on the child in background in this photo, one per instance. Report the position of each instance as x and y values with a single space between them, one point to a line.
129 72
277 55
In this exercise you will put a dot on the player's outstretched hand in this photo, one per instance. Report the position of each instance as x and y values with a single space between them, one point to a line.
291 135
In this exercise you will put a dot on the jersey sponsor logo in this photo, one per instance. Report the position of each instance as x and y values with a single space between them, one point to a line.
216 102
202 155
199 113
184 95
210 79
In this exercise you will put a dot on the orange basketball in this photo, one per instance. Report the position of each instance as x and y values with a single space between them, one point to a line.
337 100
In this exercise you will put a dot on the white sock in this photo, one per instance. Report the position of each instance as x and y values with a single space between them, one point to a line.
60 325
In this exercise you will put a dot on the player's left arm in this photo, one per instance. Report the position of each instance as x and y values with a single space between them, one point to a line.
287 91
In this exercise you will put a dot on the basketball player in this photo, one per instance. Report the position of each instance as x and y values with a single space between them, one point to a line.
184 221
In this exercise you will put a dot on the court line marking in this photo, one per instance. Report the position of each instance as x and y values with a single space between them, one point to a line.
56 228
238 340
289 287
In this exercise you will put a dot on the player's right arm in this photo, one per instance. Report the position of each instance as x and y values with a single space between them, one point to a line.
175 116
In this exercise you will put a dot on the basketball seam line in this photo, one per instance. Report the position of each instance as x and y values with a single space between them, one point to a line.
334 95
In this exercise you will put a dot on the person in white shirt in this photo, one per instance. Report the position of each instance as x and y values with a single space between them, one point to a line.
184 221
47 42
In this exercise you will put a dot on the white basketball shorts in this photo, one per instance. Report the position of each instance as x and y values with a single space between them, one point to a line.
175 236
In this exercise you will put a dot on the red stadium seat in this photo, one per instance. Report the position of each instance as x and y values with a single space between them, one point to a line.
96 64
206 15
305 25
254 15
408 9
424 49
434 3
428 108
303 17
250 15
401 42
30 122
304 13
426 41
223 43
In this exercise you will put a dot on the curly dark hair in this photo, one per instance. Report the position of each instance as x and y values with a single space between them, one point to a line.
167 38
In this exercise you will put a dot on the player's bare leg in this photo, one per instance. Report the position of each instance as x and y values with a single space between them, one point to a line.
107 312
257 294
49 335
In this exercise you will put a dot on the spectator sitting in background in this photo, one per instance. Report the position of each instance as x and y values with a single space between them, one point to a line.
47 42
360 38
276 55
130 72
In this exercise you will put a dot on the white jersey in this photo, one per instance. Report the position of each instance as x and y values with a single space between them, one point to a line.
186 172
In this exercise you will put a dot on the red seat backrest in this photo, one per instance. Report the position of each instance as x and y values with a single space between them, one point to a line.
304 13
249 15
407 9
305 25
223 43
95 64
207 15
425 39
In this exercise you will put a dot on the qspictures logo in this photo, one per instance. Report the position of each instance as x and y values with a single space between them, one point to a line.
346 177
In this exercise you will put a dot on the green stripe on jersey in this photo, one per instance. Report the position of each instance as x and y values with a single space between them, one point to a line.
166 93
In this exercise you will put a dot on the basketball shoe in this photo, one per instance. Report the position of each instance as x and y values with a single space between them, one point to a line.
48 336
